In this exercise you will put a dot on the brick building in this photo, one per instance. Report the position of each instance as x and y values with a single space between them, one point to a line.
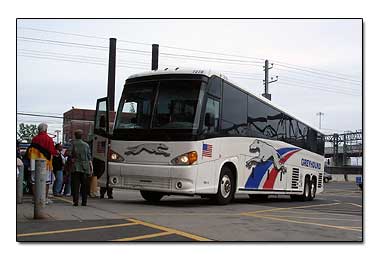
81 119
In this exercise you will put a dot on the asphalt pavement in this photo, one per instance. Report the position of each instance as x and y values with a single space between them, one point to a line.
335 215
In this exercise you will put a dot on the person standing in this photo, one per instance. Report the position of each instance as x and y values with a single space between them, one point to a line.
58 164
67 175
82 168
42 147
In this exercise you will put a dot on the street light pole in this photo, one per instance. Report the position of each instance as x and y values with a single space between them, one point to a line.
320 114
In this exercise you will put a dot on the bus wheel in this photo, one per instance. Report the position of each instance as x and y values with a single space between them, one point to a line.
151 196
226 188
306 194
313 189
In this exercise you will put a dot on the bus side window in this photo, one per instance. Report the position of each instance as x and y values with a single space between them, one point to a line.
215 86
211 116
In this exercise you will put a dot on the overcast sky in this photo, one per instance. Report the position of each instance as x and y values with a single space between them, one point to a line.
319 62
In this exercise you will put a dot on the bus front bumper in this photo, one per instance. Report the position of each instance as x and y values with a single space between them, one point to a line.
163 178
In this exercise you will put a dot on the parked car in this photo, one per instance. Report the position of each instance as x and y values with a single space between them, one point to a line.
327 177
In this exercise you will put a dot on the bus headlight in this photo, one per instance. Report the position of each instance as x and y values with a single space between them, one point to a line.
185 159
115 157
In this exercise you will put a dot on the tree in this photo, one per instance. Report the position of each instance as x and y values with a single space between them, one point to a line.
26 132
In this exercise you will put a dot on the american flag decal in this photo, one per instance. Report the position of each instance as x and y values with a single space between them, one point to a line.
207 150
101 147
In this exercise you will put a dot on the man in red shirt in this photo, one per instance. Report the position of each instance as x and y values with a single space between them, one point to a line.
42 147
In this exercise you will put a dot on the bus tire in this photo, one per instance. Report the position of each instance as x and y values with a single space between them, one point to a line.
226 187
151 196
313 189
306 193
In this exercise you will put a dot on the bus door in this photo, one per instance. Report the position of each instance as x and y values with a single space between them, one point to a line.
101 141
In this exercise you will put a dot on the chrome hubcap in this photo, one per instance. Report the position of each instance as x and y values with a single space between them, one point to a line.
225 186
307 190
313 190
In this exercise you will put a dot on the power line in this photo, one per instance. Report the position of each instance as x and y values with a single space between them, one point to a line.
60 57
38 115
305 67
208 58
245 78
313 88
140 43
323 86
318 73
64 33
319 84
51 57
63 43
139 52
81 35
292 66
319 87
59 54
47 113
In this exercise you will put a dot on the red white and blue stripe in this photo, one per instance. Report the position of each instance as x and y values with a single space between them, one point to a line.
255 180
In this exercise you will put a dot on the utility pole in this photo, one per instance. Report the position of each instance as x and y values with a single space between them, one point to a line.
111 74
320 114
266 80
57 135
155 56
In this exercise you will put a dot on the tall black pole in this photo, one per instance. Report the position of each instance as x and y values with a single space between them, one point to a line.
266 80
154 56
111 75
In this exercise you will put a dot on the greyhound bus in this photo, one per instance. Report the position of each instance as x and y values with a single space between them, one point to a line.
193 132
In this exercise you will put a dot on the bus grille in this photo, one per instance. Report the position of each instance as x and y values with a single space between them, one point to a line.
146 182
320 180
295 178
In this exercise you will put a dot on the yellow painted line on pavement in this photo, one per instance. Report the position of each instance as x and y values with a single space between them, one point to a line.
175 231
287 208
331 219
65 200
75 230
305 223
144 236
177 214
313 213
356 205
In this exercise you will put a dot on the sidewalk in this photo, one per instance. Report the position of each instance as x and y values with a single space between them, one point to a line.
62 209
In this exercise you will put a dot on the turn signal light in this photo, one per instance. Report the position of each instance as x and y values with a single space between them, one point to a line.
185 159
115 157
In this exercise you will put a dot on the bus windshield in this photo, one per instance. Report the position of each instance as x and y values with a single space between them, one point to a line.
165 104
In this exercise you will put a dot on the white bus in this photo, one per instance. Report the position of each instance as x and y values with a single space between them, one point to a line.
193 132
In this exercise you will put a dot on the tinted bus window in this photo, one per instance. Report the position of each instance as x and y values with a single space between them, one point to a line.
234 112
256 117
214 87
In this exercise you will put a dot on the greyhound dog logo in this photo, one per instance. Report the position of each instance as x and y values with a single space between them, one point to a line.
154 148
265 152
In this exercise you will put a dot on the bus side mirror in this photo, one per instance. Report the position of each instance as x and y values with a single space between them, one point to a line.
209 120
